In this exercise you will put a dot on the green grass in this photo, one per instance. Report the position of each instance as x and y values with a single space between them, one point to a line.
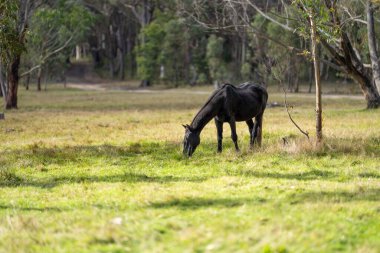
103 172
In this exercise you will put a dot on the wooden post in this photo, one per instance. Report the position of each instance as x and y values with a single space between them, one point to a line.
317 76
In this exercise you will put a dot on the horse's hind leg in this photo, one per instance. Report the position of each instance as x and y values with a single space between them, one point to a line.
219 129
233 134
257 129
250 127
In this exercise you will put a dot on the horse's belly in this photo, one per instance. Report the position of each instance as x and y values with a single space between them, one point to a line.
246 115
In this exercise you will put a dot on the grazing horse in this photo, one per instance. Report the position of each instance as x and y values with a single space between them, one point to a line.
229 104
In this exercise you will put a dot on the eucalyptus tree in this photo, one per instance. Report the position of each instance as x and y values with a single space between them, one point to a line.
54 32
148 53
337 32
8 40
16 16
334 30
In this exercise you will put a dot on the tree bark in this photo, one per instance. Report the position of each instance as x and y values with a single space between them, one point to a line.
317 76
78 52
372 45
39 77
25 9
310 77
3 84
296 77
13 80
27 81
355 69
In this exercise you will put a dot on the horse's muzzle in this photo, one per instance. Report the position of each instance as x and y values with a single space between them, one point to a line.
188 151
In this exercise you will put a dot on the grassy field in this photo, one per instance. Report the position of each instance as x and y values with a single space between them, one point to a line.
102 171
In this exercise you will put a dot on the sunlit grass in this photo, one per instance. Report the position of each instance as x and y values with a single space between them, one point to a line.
103 171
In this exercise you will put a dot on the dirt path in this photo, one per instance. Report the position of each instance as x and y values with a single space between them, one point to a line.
94 87
102 87
82 76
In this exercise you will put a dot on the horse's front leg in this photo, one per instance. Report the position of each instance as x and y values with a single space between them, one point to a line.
219 129
233 134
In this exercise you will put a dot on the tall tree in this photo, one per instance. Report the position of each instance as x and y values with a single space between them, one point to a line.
333 34
9 43
143 12
25 9
317 75
372 44
55 30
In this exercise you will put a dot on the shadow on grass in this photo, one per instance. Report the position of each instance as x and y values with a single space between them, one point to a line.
196 203
372 194
39 157
50 182
30 209
38 154
369 175
304 176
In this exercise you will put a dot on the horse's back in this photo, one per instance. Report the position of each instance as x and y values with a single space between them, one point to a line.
246 100
255 91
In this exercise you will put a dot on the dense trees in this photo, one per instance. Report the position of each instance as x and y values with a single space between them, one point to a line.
190 42
54 29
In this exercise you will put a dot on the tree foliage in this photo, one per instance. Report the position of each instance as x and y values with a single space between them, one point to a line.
55 30
190 42
9 42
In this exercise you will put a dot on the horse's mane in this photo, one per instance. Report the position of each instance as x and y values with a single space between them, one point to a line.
209 100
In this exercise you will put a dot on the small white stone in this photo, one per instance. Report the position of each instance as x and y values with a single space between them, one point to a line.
117 221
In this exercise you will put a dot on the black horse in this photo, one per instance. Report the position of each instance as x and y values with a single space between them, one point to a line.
229 104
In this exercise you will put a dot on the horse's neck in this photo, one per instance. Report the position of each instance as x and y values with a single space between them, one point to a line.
204 116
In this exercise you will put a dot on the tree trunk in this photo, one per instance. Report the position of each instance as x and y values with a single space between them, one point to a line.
146 18
64 81
310 78
25 8
13 79
355 69
317 76
372 45
365 81
78 52
27 81
327 71
296 79
39 76
3 84
346 56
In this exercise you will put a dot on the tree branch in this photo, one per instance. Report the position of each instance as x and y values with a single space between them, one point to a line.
46 57
286 27
291 118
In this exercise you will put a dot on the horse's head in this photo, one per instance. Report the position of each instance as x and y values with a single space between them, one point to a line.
191 141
